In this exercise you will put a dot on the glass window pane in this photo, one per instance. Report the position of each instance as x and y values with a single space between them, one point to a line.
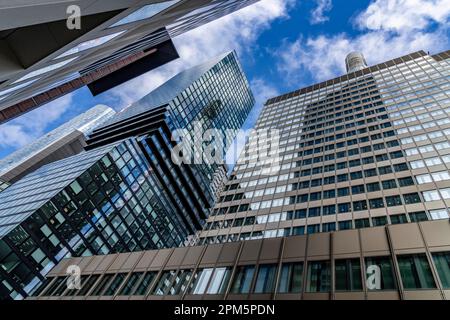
291 278
415 272
318 277
219 281
115 284
243 279
348 275
442 262
265 281
145 284
201 280
130 283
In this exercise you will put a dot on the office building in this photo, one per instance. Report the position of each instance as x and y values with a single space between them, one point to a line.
124 194
356 207
67 140
45 53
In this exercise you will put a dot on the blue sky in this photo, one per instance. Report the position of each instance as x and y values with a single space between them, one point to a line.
283 45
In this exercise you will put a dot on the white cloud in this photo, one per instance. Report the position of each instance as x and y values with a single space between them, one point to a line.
323 56
318 14
401 15
23 130
237 31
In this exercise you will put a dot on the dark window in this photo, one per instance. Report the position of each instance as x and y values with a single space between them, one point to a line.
313 228
343 207
415 272
376 203
318 277
348 275
342 192
379 221
328 210
404 182
342 177
398 218
385 170
329 227
411 198
328 194
356 175
265 280
358 189
418 216
372 187
400 167
382 157
314 196
242 279
291 276
393 201
370 173
389 184
314 212
362 223
359 205
345 225
442 262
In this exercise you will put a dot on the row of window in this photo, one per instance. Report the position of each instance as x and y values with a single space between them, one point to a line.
378 274
326 227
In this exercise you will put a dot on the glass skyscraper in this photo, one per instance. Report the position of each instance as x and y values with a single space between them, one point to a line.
124 194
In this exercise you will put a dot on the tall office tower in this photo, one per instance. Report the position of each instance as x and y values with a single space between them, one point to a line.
124 194
357 209
46 51
65 141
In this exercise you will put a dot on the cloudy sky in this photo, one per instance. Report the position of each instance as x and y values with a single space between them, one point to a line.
283 45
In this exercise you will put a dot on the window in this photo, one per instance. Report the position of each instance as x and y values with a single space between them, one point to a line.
265 280
102 284
329 227
359 205
362 223
411 198
372 187
343 207
404 182
379 221
219 281
345 225
348 275
329 210
130 283
415 272
386 281
342 192
389 184
164 285
432 195
393 201
358 189
242 279
318 276
200 281
418 216
291 278
442 262
313 228
398 218
370 173
144 285
439 214
356 175
314 212
90 44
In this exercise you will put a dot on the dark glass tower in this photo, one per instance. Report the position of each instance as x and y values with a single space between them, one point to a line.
124 194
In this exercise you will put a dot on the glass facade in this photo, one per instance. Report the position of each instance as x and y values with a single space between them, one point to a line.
98 202
363 150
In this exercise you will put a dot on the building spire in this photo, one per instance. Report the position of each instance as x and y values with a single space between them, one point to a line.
355 61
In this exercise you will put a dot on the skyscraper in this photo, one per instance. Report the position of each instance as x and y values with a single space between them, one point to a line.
124 194
62 142
50 48
356 208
